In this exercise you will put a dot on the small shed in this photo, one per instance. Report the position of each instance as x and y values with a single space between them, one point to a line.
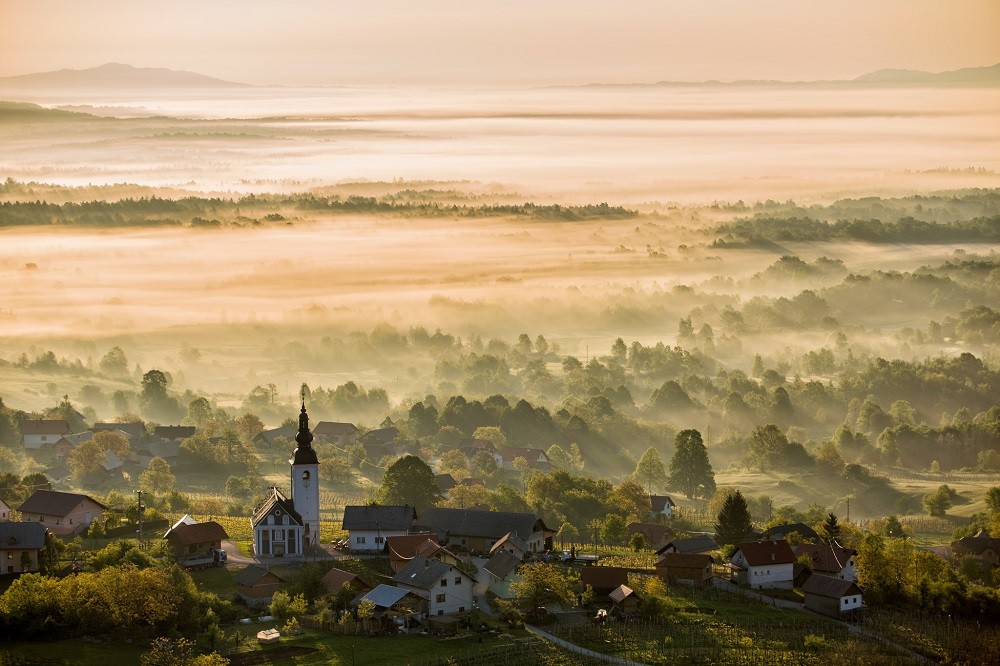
337 580
685 568
256 586
624 601
603 580
832 596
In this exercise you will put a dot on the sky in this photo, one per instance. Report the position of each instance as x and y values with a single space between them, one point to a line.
508 42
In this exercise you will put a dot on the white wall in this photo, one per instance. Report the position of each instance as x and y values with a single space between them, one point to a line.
850 603
371 540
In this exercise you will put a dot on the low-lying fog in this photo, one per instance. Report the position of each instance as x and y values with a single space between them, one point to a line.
622 144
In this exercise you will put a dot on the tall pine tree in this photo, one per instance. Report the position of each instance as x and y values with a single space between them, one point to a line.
734 520
690 469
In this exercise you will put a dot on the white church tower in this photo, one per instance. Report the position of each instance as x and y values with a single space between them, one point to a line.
305 481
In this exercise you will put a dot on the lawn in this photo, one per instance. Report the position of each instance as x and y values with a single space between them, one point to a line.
716 627
71 652
220 580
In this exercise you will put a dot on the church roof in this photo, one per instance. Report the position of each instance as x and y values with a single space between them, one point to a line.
276 502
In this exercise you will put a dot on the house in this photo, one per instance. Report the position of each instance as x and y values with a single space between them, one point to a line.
701 543
445 483
502 569
369 526
536 458
656 535
278 529
38 433
511 543
982 546
624 600
168 449
431 549
685 568
341 434
829 560
67 443
380 436
192 538
64 514
269 437
403 548
112 463
832 596
21 545
477 531
57 473
446 588
136 432
4 510
337 580
764 564
256 586
174 432
661 505
392 601
779 532
603 579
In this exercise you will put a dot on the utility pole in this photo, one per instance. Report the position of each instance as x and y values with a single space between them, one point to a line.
139 492
848 509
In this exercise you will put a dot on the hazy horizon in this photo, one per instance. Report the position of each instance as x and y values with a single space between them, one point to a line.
516 44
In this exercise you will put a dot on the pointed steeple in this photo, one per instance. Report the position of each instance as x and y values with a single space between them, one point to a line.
304 453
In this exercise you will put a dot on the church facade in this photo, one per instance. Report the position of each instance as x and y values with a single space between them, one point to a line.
287 526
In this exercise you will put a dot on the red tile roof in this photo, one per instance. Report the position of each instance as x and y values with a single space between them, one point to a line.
760 553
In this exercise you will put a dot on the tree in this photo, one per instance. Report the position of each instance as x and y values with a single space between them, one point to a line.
650 469
614 531
733 522
629 499
637 542
179 652
248 427
541 584
938 503
115 363
690 469
493 434
454 462
154 401
200 411
157 478
568 532
113 440
410 480
993 499
831 529
87 458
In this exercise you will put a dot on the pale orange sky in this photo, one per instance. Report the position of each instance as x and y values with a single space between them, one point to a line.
513 42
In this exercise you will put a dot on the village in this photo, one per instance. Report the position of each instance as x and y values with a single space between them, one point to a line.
382 570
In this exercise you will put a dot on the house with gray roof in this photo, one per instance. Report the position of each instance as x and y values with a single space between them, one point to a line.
136 432
256 585
446 588
478 531
502 569
832 596
701 543
175 432
21 545
370 525
335 432
268 437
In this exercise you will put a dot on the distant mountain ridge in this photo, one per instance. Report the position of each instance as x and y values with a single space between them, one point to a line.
969 76
115 76
978 75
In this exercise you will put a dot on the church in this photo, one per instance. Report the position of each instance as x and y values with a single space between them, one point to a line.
287 526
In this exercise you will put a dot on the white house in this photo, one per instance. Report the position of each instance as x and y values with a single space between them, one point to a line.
38 433
65 514
536 458
831 596
446 588
4 511
369 526
766 564
662 505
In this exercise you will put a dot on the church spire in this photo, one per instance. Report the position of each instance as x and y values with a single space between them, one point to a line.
304 454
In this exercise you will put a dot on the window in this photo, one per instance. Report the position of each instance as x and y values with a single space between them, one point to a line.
458 580
439 598
444 582
379 539
360 540
440 612
461 609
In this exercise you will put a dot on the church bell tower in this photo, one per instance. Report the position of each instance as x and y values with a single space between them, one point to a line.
305 480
